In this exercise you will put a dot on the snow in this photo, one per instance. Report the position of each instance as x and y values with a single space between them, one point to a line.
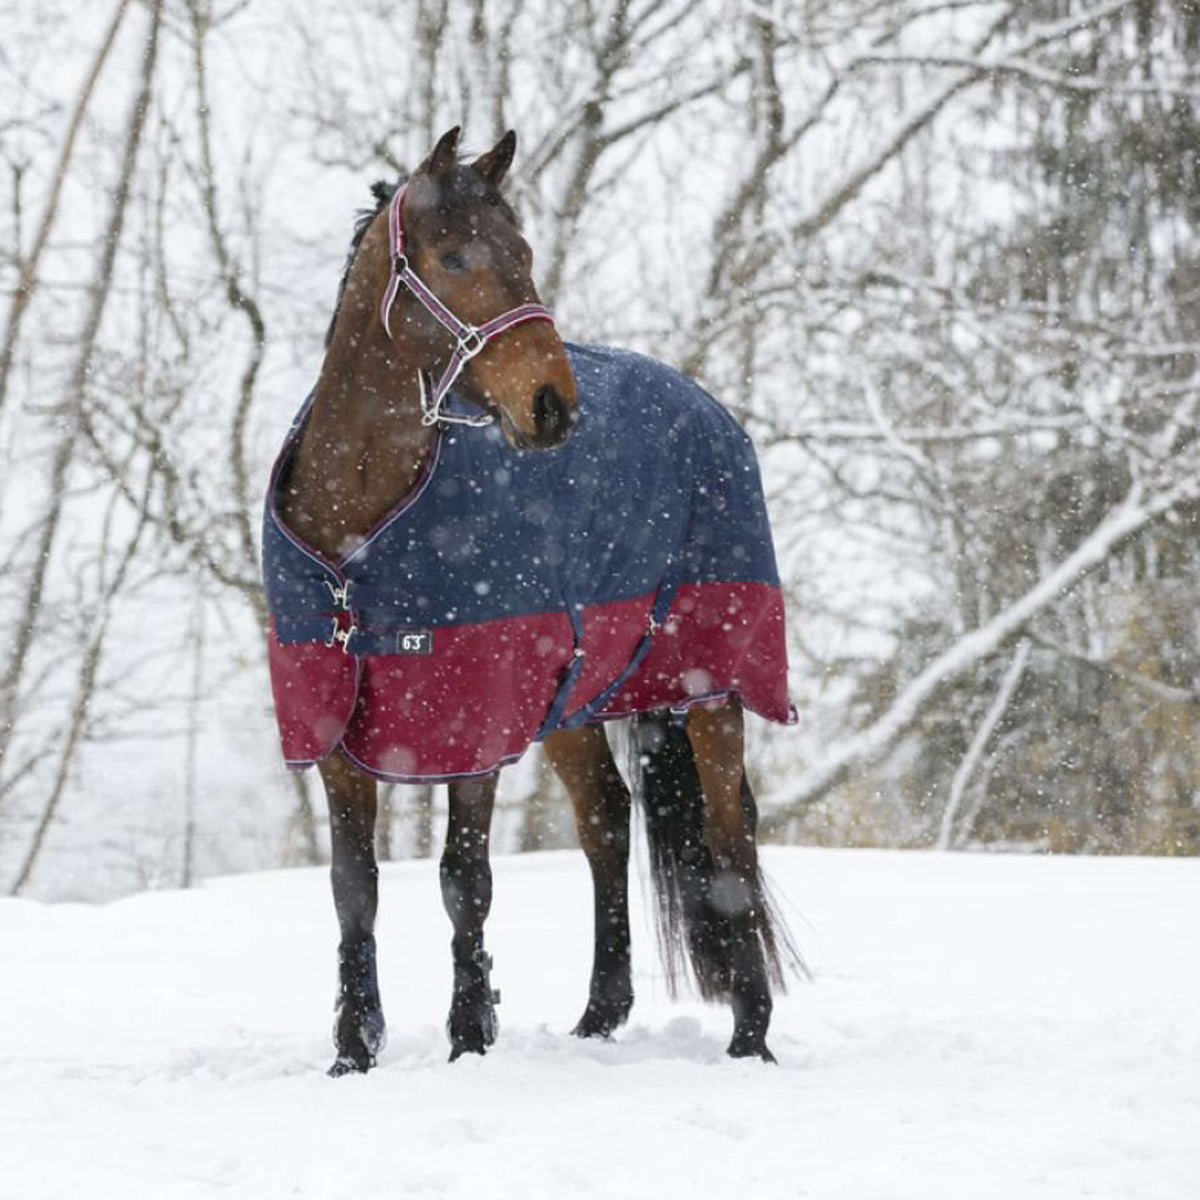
977 1027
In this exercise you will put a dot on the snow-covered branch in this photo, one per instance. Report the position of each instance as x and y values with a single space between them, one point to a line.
859 749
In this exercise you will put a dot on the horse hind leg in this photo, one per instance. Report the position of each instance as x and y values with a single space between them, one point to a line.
466 877
359 1031
736 901
583 761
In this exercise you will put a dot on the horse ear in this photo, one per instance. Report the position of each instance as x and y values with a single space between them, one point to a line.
445 153
493 165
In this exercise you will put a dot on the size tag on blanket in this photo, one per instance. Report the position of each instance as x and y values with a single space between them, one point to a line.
414 641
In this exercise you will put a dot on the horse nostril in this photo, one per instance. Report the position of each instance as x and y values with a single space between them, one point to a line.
551 416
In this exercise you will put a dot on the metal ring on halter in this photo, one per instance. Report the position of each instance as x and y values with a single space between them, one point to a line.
470 342
431 413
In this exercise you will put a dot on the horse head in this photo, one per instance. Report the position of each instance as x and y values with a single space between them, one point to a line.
461 293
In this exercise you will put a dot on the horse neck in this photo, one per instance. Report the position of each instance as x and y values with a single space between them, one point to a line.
363 445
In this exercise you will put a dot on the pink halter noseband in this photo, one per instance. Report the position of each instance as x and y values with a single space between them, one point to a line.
469 339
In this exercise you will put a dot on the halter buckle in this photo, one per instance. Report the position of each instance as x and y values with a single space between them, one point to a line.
470 343
400 264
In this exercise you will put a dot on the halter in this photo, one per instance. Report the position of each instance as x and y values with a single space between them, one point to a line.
469 339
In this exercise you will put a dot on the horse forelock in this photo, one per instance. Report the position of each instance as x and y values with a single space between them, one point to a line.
454 191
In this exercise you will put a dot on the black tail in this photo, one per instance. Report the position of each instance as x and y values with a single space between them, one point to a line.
667 787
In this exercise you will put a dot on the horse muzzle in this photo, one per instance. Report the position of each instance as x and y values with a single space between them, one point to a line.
553 417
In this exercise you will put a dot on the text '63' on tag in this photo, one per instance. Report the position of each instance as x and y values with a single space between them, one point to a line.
414 641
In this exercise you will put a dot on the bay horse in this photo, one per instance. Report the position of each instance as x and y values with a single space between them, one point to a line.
409 653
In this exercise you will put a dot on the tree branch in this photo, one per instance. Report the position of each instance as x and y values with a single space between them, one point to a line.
869 744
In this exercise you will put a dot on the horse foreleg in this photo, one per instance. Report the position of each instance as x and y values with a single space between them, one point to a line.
736 892
582 760
359 1032
466 876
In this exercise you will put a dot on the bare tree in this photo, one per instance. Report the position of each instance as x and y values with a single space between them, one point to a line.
70 413
938 258
28 265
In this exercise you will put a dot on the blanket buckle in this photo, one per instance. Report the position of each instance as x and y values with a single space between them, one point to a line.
341 595
339 636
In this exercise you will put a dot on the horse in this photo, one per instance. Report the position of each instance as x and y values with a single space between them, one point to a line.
443 371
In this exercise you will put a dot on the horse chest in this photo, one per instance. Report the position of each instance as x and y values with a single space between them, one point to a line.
333 501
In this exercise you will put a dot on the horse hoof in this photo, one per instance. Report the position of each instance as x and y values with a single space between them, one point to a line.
594 1027
601 1021
348 1064
357 1037
472 1034
458 1049
750 1048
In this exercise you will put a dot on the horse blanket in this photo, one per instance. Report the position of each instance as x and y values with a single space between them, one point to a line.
513 593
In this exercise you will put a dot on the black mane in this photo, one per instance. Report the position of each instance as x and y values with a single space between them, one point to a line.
383 192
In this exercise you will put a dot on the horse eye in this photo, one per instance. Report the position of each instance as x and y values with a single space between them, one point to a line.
453 261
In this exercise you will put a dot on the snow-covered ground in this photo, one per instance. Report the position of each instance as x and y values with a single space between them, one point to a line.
978 1027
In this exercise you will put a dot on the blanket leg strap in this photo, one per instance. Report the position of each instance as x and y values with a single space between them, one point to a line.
570 677
658 615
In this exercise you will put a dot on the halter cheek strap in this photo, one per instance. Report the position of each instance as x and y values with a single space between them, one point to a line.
469 339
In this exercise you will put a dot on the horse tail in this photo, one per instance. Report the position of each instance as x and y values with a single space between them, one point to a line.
691 929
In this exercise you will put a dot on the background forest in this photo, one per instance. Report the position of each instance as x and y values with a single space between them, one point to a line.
940 257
